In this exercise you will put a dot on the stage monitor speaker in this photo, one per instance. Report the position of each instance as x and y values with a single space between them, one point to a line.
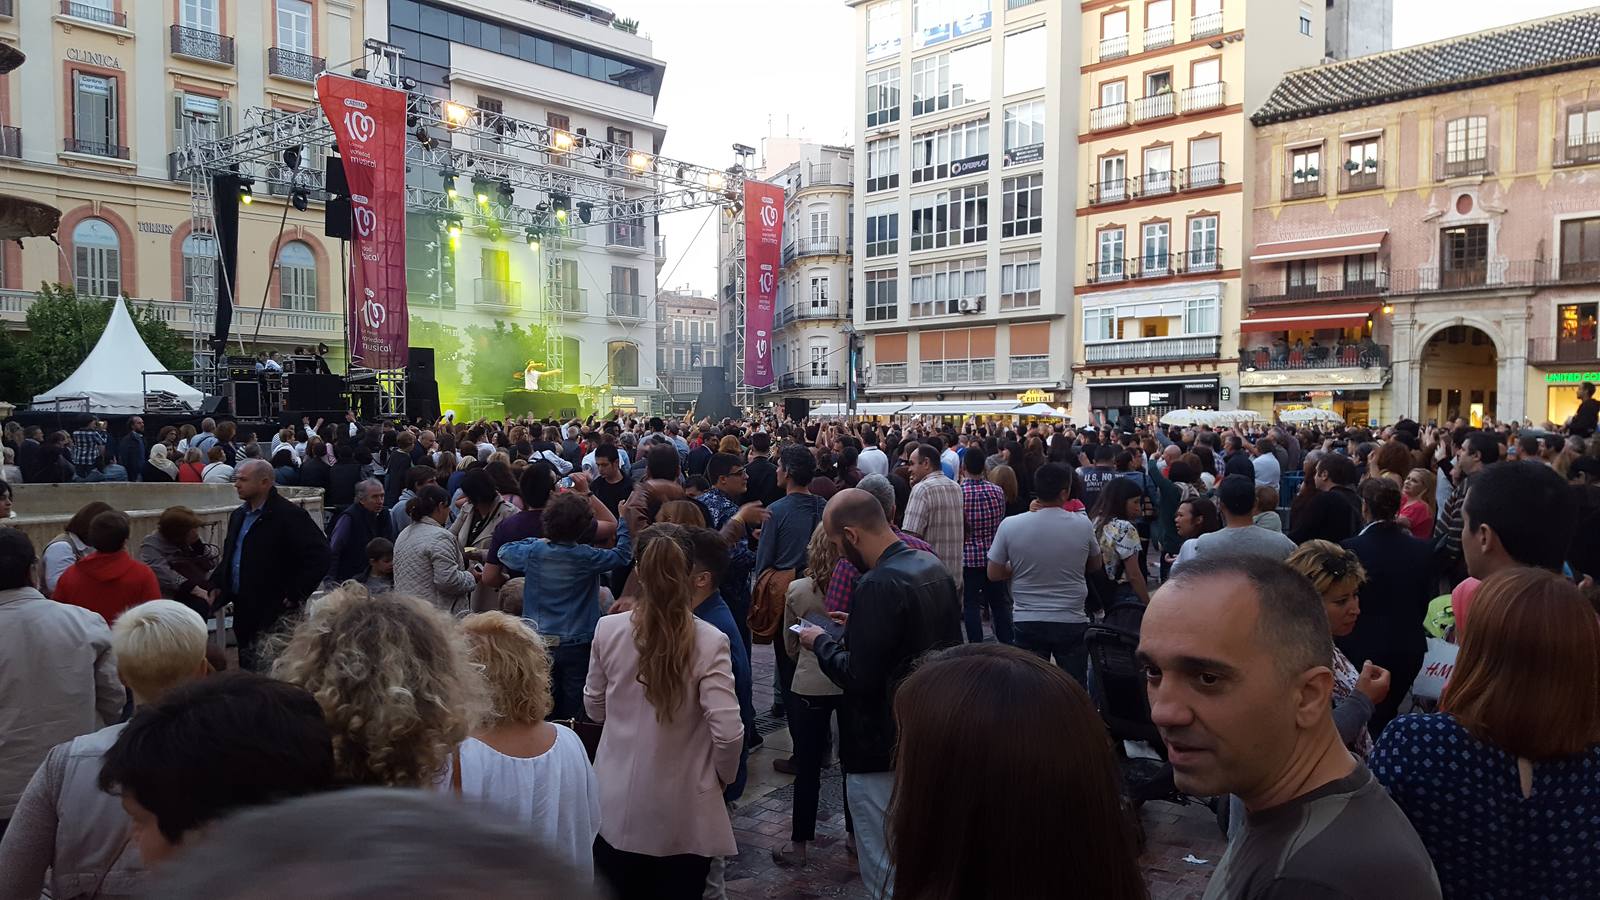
309 391
422 399
212 404
365 403
245 399
419 363
796 408
336 216
714 402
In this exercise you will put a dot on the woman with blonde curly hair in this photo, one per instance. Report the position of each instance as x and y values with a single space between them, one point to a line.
1337 575
532 772
662 682
394 680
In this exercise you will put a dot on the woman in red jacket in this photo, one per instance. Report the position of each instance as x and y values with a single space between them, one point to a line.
108 580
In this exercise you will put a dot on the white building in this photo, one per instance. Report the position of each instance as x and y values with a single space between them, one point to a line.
580 69
1359 27
816 289
967 113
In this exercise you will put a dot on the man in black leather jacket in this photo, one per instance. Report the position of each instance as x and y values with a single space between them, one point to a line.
905 605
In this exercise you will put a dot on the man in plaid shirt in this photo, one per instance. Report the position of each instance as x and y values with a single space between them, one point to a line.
87 443
842 584
983 505
934 510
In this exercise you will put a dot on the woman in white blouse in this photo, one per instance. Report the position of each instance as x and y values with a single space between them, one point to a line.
529 771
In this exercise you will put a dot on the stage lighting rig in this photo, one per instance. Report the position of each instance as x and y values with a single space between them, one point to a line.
585 212
246 191
291 158
562 140
456 115
424 138
508 194
533 239
561 203
300 198
482 188
449 176
638 161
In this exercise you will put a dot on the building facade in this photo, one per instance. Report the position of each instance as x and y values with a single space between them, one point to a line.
811 335
963 254
1359 27
1164 220
586 73
1428 242
686 342
110 89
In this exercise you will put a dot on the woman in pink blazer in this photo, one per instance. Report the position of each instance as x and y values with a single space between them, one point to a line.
662 682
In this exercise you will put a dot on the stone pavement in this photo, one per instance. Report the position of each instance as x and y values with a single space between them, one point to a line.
761 823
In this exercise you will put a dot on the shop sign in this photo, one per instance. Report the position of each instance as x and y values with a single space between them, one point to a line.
969 165
624 402
1034 395
1571 377
1227 394
1029 154
1199 385
103 60
155 228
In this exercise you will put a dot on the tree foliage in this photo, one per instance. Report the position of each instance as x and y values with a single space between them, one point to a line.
63 328
498 355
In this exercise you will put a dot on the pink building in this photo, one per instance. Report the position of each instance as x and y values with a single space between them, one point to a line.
1427 230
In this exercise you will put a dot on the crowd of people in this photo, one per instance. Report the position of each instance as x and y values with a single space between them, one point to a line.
559 623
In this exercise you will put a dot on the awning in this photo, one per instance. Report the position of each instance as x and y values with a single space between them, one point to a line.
1313 248
824 410
1309 315
960 408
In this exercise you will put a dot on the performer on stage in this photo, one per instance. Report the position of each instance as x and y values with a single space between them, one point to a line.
532 374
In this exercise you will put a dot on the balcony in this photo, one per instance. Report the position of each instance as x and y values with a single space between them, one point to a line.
1286 359
1300 185
808 311
1115 47
90 13
275 324
569 302
294 66
1493 274
1203 96
823 174
1577 150
1158 37
11 141
1450 165
1154 265
789 381
96 148
1112 191
497 294
816 246
625 235
1153 350
1366 178
1205 26
1333 287
624 307
1155 184
197 43
1205 175
1157 106
1548 350
1200 260
1105 118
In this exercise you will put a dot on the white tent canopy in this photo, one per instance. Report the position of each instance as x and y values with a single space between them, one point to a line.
827 410
111 379
1038 410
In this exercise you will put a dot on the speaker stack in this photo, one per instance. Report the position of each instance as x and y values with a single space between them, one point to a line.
422 389
715 402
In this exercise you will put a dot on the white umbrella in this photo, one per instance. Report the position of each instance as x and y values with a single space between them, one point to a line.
1038 410
1185 416
1217 417
1308 415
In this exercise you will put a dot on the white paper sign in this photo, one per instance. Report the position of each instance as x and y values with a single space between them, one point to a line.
1437 666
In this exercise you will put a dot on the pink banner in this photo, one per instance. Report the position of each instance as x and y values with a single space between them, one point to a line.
369 123
763 247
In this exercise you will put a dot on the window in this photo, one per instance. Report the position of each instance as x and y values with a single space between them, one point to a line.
677 329
1361 270
883 164
1200 316
930 156
883 229
950 218
1302 275
1099 324
948 80
1030 368
1205 162
1202 249
708 358
819 360
198 269
97 259
1156 258
294 26
1158 31
1026 61
1024 132
1580 248
933 152
1207 19
883 96
1158 83
711 333
1110 255
1305 20
1019 280
1113 185
694 331
937 289
819 226
94 116
1024 205
623 360
1575 335
1464 255
297 277
677 359
1466 139
883 296
200 14
1305 172
883 29
1114 35
1158 175
930 84
1583 126
197 117
819 292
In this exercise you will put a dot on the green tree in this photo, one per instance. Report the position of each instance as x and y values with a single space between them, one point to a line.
64 327
446 344
499 354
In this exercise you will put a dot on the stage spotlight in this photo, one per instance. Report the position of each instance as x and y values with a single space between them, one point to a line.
585 212
424 138
246 191
456 114
716 181
480 189
560 203
408 83
300 198
680 173
562 140
561 215
452 227
533 239
449 177
362 74
508 194
638 161
291 158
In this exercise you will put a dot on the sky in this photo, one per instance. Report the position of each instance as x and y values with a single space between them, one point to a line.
740 70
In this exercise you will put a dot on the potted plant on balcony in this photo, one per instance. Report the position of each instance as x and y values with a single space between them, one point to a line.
1351 166
1371 163
1313 173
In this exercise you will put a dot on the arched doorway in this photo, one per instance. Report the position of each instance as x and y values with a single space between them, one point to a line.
1460 371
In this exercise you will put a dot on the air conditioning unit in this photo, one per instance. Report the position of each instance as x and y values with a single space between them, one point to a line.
970 305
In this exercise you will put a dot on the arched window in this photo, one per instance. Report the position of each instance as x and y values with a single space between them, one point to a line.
199 268
624 360
97 259
297 277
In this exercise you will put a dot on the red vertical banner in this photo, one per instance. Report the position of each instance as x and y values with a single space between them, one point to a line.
369 123
763 246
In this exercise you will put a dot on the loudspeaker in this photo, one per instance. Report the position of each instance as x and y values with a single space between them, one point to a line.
796 408
245 399
419 363
714 402
212 404
365 403
336 214
422 399
309 391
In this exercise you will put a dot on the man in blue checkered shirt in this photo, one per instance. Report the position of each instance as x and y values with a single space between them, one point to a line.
87 444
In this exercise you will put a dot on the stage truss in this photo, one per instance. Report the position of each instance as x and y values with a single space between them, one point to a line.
542 182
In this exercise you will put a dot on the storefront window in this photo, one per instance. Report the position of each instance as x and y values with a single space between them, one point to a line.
1575 335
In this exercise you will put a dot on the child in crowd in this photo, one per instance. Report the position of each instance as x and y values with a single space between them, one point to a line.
1267 508
379 576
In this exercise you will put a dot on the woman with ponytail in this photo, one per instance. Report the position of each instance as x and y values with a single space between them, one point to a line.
427 560
662 682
